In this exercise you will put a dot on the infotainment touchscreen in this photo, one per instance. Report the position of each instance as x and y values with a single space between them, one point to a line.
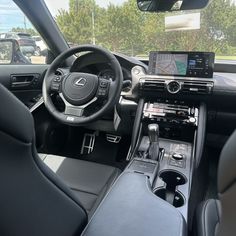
186 64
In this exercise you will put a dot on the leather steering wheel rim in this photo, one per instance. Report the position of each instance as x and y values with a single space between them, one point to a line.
114 92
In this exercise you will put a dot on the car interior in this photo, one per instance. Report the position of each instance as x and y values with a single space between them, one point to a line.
98 143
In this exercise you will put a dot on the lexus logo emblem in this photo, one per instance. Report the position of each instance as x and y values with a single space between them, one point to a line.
80 82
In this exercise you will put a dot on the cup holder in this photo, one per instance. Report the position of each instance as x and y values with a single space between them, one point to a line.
176 199
170 193
173 178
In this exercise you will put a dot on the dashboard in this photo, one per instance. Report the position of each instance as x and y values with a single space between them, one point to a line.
149 82
216 92
193 82
97 64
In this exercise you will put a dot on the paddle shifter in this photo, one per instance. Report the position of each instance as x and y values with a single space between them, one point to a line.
153 133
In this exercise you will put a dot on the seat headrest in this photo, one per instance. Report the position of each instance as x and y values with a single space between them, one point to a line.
15 118
227 164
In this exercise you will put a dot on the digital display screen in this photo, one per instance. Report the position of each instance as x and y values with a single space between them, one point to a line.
186 64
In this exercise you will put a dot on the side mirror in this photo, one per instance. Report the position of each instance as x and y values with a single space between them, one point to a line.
170 5
10 52
6 51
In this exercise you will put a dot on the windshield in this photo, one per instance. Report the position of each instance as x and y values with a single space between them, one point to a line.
121 27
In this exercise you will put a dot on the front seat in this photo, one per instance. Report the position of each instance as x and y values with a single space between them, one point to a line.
218 217
33 199
89 181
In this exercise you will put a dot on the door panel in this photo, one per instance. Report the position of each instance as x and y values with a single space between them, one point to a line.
25 81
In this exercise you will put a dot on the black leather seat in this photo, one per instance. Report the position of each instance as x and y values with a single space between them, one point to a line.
208 217
218 217
33 200
89 181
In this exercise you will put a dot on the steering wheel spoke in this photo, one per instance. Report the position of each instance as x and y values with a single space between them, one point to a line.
78 111
74 111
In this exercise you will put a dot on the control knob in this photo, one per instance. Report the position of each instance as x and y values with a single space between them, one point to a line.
178 156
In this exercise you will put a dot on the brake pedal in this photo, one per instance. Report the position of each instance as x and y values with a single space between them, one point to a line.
88 143
113 138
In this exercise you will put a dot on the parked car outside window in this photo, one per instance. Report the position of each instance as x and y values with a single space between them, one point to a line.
26 42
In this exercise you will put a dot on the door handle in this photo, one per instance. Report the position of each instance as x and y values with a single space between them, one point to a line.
24 80
20 84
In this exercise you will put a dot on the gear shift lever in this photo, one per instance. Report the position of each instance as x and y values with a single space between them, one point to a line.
153 133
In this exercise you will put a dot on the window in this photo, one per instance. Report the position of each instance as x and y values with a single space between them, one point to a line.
16 27
119 26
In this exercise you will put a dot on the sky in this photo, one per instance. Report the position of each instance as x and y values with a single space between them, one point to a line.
11 16
64 4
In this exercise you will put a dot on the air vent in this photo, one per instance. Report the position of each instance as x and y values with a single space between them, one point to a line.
197 87
154 85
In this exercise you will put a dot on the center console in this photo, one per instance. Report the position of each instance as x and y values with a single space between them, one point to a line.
171 175
152 195
172 77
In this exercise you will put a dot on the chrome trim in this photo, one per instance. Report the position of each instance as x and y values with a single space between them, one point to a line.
67 104
37 104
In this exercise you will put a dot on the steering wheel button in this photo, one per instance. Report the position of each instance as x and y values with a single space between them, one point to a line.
57 79
55 86
103 84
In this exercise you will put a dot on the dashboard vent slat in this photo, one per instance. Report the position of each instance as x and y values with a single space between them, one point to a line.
155 85
197 87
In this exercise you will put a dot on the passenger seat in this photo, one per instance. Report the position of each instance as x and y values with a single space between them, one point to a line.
88 180
218 217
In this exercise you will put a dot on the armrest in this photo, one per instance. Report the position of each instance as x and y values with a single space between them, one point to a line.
131 209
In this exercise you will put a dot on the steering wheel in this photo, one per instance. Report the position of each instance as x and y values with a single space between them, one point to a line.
79 90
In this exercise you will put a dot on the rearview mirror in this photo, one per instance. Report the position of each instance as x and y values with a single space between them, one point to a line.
10 52
170 5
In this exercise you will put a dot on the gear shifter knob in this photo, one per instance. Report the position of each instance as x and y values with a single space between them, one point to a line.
153 132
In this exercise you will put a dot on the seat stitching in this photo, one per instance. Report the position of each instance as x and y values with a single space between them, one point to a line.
79 190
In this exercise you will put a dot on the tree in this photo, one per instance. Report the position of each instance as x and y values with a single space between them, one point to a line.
123 28
110 33
76 24
30 31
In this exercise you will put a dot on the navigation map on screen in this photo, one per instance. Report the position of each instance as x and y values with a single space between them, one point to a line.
171 64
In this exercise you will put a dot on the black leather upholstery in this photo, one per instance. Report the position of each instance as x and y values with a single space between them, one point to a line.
89 181
219 217
208 217
227 187
131 209
33 201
